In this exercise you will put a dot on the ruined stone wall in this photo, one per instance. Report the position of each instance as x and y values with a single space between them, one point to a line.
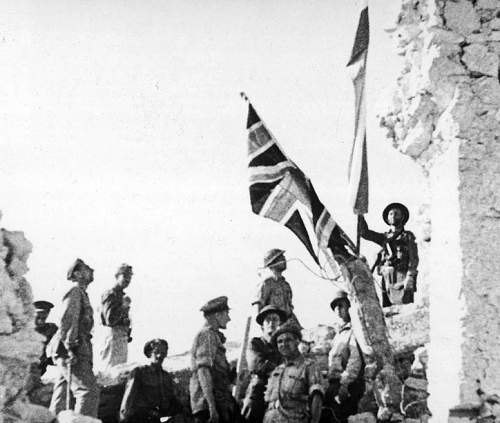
20 344
446 115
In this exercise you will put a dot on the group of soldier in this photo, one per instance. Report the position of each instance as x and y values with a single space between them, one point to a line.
284 386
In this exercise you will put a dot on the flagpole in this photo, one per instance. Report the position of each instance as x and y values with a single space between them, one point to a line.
358 235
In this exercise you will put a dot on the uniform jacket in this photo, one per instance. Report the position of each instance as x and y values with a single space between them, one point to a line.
275 291
149 388
344 360
112 311
75 328
208 351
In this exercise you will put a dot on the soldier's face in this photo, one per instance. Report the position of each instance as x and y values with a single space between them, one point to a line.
280 265
288 344
124 279
41 317
342 311
223 318
158 354
394 216
270 323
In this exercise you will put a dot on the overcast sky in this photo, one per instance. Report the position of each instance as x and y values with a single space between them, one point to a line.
123 139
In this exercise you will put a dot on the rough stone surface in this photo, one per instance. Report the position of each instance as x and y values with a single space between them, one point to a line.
478 59
451 66
20 345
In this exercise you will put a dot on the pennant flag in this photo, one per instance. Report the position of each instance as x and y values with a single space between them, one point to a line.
281 192
358 163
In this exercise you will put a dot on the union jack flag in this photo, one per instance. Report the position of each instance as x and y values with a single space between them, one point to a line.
358 161
280 191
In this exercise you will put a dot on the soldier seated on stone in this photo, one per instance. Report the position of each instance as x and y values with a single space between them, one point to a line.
42 311
150 394
294 393
345 365
262 357
274 288
398 260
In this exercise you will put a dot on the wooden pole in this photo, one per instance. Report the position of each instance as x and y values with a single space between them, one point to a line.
242 362
358 235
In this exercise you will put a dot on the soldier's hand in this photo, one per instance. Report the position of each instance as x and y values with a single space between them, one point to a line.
247 408
214 415
343 394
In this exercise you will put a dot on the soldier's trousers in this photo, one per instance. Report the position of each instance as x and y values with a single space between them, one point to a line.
83 388
115 346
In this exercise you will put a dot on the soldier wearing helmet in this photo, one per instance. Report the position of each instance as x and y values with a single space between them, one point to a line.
274 288
398 260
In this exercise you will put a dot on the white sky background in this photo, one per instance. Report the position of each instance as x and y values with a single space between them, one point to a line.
123 139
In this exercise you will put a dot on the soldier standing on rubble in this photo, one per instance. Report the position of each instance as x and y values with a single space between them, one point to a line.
345 365
210 383
274 288
294 393
71 346
115 318
398 260
262 358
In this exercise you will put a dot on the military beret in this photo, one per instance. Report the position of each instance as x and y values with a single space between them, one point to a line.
43 305
272 255
214 305
340 295
405 214
123 269
77 265
148 346
270 309
288 327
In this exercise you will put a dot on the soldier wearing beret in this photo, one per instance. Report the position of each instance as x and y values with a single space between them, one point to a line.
294 393
115 307
47 329
71 346
274 288
150 393
210 383
345 365
262 357
398 260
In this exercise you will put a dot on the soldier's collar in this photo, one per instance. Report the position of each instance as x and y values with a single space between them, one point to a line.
295 361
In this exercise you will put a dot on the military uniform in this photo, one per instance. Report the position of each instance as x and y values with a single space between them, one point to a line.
262 358
397 262
289 391
275 291
345 371
74 334
149 395
48 330
116 321
208 351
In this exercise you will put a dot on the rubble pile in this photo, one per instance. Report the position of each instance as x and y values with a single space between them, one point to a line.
20 344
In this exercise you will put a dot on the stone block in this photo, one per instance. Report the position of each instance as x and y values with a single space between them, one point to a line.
495 24
478 59
69 416
409 329
461 17
488 4
494 36
31 413
362 418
